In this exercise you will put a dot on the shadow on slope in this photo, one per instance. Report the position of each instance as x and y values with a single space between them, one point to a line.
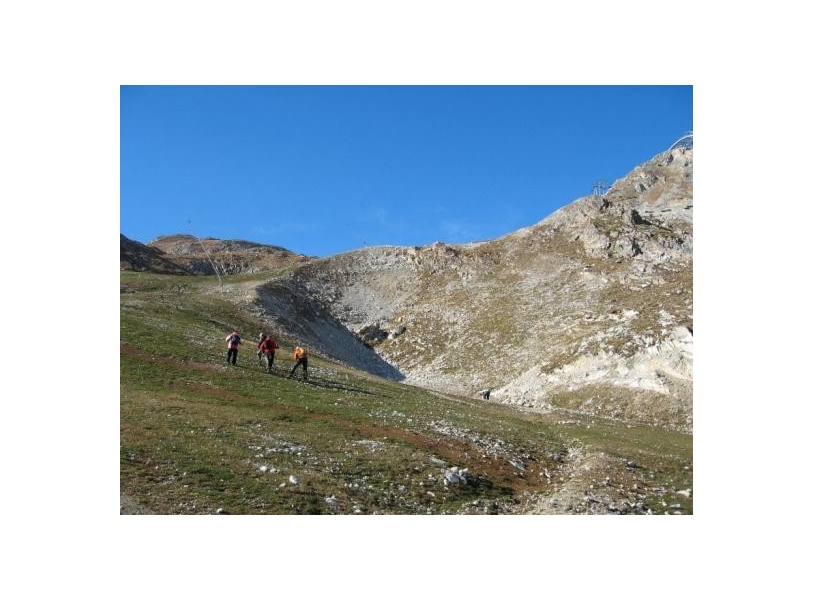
289 305
317 378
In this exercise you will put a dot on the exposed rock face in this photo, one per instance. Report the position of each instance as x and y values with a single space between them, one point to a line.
590 309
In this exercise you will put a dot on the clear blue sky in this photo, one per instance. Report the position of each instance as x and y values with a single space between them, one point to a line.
326 169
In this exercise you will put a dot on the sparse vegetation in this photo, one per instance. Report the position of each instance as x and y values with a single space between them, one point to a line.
200 437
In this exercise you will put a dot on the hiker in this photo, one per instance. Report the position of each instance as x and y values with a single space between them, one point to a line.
300 358
267 347
260 339
232 344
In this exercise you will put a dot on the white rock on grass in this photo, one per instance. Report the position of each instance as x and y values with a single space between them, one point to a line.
455 476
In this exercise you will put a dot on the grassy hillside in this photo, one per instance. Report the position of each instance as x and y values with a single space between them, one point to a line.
198 436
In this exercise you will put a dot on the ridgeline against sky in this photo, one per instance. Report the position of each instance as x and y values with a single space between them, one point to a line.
326 169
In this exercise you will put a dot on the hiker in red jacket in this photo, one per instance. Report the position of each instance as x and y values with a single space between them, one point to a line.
267 346
232 344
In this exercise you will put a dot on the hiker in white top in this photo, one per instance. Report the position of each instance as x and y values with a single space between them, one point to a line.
232 344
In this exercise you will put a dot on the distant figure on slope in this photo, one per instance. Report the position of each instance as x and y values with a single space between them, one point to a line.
484 394
300 358
267 347
232 344
260 339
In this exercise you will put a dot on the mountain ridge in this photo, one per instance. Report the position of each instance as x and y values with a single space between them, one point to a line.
588 310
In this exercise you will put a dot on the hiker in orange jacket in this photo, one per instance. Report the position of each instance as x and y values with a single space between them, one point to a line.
300 358
268 346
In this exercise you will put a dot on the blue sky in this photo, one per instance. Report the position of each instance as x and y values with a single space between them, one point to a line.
326 169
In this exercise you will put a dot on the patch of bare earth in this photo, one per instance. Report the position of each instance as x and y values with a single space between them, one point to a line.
129 506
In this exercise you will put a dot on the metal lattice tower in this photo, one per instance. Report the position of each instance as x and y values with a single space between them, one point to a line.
599 188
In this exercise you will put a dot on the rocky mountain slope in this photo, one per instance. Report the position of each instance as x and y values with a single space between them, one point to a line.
589 310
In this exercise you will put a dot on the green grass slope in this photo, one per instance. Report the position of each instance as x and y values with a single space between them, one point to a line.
198 436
